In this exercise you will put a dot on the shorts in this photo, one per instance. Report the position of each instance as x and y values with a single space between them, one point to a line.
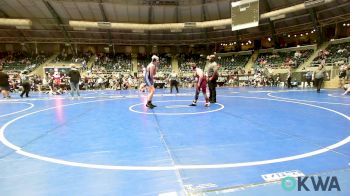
148 81
203 86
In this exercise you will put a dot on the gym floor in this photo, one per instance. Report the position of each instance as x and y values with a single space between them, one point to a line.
109 143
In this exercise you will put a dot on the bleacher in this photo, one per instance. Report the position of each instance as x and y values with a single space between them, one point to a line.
164 62
335 53
21 60
233 60
118 62
185 59
71 58
282 58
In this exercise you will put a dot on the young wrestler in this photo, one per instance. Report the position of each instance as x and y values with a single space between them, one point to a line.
346 88
150 72
201 85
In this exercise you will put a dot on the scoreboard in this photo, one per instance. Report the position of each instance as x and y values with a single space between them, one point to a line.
244 14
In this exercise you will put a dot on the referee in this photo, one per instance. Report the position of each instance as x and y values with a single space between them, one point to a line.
173 82
211 71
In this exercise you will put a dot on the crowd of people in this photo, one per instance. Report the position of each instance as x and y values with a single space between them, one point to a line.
97 77
334 53
283 59
21 60
58 83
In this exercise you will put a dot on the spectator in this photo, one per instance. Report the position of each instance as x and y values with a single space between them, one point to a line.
319 75
4 84
308 77
74 78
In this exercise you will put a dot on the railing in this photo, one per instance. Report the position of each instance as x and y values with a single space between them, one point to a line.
340 41
332 62
300 48
235 53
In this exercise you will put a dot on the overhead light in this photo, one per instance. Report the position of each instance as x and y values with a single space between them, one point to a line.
175 30
190 24
22 27
104 25
83 24
79 28
277 17
219 27
301 35
138 31
245 26
288 35
15 22
306 33
313 3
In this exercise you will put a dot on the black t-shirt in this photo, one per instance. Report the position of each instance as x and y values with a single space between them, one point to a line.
4 79
74 76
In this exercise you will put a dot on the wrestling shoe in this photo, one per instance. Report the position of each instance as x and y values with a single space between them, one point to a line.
150 105
193 104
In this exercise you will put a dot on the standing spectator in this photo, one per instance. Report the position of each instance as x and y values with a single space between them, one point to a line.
277 81
348 72
4 84
84 64
100 83
342 73
74 78
120 81
25 83
289 78
212 74
318 76
308 77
